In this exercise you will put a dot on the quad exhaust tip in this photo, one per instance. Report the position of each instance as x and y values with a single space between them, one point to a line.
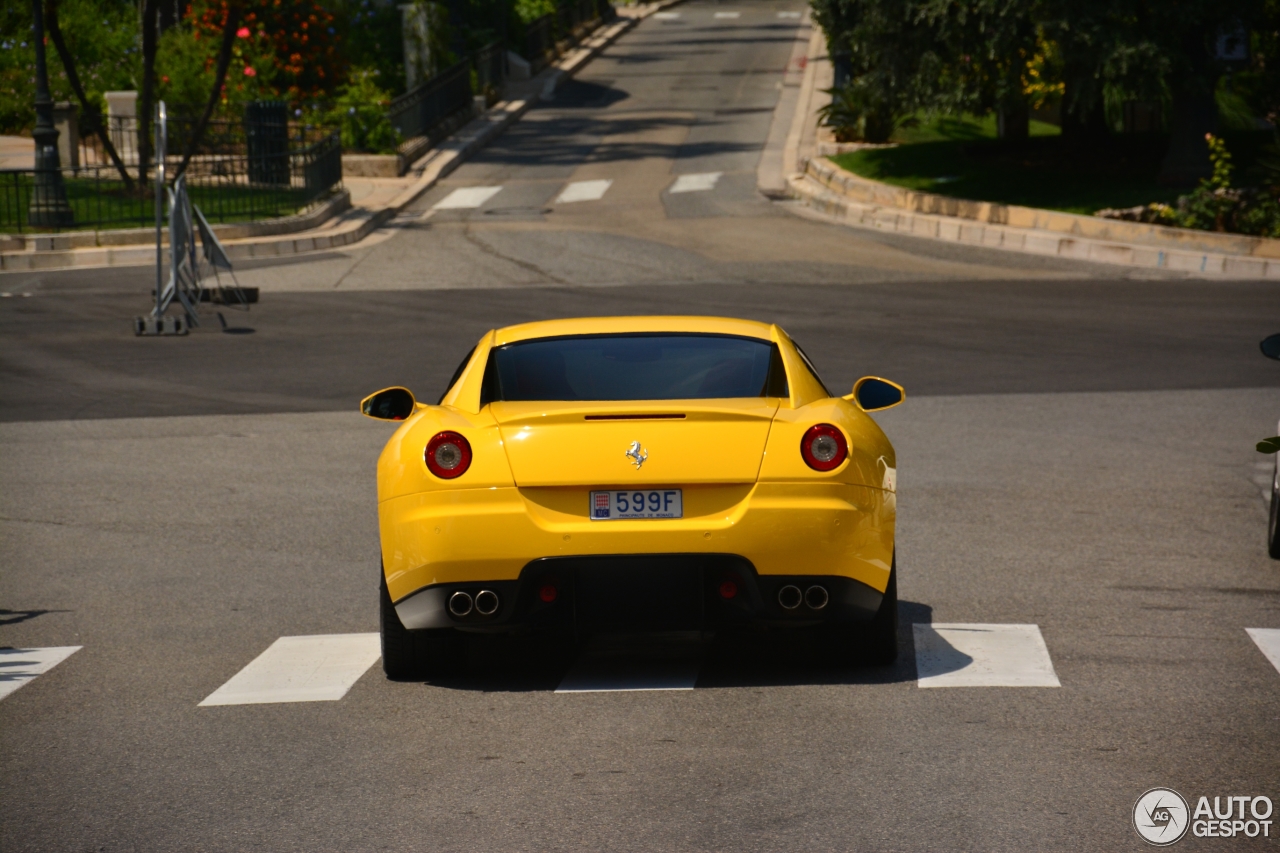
487 602
816 597
460 604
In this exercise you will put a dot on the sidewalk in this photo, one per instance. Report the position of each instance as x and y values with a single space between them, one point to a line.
366 203
861 202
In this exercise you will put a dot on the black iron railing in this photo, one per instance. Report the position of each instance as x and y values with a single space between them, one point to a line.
490 64
540 42
418 112
227 187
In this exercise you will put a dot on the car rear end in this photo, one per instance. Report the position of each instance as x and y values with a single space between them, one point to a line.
657 476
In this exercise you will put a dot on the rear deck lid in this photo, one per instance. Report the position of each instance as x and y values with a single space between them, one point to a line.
624 445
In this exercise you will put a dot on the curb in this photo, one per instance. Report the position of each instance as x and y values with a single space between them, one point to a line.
850 209
354 224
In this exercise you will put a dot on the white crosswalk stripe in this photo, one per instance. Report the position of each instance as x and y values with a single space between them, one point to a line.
696 183
583 191
728 14
319 668
466 198
982 655
788 14
21 666
666 16
1268 640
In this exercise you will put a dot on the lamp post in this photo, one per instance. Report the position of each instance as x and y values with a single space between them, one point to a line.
49 206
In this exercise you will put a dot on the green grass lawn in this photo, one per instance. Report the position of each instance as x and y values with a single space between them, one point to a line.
104 204
960 157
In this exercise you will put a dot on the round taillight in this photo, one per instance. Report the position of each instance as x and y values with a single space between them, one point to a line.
823 447
728 589
547 593
448 455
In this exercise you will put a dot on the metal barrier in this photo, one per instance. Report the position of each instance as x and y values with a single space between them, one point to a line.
420 111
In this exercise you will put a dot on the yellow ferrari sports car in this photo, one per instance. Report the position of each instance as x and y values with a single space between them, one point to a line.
633 474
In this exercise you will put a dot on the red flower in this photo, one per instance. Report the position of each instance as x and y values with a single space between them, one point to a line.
242 33
249 72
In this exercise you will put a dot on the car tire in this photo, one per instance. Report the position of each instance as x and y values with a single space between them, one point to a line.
413 655
871 643
1273 525
880 642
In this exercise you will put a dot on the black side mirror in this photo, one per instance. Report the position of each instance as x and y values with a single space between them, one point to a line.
389 404
872 394
1270 347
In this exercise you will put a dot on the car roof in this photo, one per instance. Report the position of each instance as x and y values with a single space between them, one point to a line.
632 325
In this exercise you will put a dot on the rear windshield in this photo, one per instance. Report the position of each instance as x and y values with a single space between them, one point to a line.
635 367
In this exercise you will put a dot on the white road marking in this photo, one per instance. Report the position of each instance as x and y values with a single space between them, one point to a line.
1268 640
467 197
320 668
21 666
666 16
605 675
696 183
583 191
979 655
728 14
788 14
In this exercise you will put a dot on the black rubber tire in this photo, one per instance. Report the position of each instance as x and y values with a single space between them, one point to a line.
414 655
880 641
1273 525
871 643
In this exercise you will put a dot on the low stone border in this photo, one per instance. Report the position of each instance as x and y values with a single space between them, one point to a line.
857 200
319 214
868 191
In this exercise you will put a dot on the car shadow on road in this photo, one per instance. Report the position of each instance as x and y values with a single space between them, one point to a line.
505 664
805 660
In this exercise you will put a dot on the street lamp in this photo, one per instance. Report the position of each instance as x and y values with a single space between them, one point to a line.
49 198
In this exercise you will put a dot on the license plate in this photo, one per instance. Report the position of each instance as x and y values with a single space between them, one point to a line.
636 503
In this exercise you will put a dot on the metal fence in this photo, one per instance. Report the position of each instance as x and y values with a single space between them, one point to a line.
424 112
227 187
569 24
421 111
540 42
490 64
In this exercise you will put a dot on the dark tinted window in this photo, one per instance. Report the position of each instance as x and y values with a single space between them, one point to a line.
635 367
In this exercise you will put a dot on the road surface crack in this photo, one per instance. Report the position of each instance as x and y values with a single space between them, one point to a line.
492 252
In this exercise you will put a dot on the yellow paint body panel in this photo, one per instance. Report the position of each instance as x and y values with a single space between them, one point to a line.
746 488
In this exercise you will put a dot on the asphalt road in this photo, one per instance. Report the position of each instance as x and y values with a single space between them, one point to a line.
1075 453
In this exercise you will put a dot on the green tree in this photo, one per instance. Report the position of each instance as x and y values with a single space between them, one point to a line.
101 34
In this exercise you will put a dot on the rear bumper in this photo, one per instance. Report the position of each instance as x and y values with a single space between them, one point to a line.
473 536
660 592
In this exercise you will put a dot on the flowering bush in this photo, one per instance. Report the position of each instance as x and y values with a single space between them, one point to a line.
1215 205
285 47
186 60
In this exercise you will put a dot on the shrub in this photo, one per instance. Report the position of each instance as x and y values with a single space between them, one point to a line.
1217 206
858 112
360 110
